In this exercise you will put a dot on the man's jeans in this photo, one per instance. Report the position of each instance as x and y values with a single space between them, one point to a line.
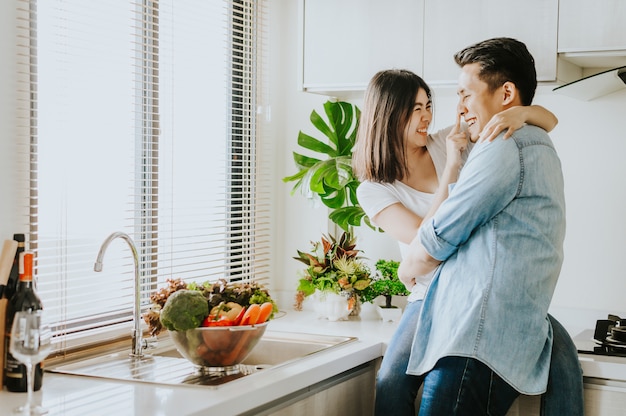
462 386
396 391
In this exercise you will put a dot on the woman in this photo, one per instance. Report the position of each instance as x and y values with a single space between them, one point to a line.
405 174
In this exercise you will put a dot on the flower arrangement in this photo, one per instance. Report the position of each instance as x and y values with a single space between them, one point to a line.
332 266
385 283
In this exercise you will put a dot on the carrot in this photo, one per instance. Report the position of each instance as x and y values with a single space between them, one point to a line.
214 340
240 341
252 314
265 312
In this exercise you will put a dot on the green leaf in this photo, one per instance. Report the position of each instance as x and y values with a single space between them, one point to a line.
303 161
335 199
315 145
306 286
342 119
345 123
361 284
324 173
296 176
321 125
347 216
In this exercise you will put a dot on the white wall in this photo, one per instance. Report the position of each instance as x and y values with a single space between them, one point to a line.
591 141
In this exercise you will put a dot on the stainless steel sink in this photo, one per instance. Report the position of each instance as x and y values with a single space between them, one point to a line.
166 366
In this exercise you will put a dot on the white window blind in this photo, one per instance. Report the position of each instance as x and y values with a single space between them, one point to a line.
143 117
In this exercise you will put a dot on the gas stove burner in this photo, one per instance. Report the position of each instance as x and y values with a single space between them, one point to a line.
609 335
612 328
614 343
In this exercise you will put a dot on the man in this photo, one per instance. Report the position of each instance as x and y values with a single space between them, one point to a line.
499 240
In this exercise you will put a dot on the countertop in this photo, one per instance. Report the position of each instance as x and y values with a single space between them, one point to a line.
74 395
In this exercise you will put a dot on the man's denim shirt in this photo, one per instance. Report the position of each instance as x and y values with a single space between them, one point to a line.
500 237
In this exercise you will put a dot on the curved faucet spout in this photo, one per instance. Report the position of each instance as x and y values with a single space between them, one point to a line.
137 346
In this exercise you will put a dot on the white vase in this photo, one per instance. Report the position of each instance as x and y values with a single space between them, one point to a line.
390 314
331 306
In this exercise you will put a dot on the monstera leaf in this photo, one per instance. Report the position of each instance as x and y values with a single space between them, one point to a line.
329 177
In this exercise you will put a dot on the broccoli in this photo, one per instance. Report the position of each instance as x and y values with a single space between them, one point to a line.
185 309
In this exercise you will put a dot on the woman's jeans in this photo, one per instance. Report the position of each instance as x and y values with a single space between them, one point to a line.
396 391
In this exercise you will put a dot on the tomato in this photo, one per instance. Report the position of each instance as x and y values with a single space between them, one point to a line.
213 320
265 312
252 314
239 317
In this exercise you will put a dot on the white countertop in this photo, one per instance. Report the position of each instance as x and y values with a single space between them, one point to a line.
75 395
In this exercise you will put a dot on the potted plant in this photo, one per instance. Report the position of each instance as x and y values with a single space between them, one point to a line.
334 270
329 177
386 283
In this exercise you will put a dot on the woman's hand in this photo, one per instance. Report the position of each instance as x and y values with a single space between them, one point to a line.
513 118
510 120
456 143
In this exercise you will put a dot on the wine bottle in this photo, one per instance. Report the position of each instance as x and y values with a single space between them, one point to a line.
24 299
15 273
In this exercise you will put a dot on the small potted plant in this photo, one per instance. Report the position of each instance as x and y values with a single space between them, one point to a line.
386 283
334 274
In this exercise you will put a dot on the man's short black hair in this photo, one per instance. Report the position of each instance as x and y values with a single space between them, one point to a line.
502 60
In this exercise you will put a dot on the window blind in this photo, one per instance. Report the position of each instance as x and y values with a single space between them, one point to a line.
141 117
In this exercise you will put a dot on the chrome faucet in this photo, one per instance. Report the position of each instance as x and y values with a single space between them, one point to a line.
137 347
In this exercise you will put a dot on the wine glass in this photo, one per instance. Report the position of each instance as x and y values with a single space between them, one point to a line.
30 344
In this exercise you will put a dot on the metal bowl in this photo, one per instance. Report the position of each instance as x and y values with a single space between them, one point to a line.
218 348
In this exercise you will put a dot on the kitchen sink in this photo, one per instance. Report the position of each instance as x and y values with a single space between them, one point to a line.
164 365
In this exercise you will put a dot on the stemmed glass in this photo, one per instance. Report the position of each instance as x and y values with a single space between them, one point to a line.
30 344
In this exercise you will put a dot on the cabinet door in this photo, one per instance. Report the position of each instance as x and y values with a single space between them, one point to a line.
345 42
350 393
592 26
451 25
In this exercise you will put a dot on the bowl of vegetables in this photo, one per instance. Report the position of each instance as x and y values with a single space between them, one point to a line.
214 325
218 348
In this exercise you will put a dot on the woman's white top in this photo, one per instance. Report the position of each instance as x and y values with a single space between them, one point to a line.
375 196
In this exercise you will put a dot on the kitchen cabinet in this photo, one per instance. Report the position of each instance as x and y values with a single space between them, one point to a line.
451 25
602 398
592 26
344 394
345 42
591 37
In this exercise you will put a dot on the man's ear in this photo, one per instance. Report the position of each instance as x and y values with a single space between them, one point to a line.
509 93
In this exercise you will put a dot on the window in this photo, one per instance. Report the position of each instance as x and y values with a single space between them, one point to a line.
144 119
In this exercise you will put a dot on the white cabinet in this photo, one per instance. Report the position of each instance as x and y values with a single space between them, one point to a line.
451 25
591 36
602 398
347 394
345 42
592 26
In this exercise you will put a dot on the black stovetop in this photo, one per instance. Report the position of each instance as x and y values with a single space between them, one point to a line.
600 341
586 344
